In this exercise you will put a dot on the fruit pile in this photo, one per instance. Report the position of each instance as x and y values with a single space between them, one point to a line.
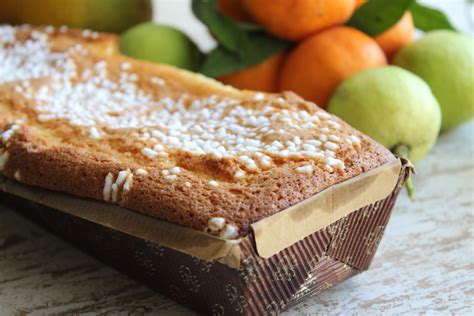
324 51
337 54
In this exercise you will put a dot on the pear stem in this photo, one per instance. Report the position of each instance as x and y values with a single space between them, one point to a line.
404 151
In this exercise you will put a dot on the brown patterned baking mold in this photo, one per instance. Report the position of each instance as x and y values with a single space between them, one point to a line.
260 286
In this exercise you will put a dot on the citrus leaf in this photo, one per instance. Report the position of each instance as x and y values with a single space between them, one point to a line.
376 16
264 46
428 19
221 61
250 27
240 45
227 32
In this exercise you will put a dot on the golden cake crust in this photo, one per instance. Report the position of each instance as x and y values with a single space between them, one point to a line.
164 171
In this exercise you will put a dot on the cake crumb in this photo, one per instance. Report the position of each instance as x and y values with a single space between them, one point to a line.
3 160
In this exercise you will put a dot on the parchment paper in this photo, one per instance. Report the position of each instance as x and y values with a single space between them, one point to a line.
271 234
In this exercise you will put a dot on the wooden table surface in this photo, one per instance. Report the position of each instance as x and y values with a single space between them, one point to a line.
425 262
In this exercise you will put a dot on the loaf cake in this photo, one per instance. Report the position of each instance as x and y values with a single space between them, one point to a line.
78 117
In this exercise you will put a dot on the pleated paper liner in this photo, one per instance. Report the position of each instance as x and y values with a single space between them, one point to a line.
242 282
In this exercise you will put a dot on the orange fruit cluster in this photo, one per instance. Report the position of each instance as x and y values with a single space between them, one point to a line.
326 52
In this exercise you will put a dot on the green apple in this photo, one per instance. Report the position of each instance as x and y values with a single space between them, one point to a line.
391 105
161 44
445 60
100 15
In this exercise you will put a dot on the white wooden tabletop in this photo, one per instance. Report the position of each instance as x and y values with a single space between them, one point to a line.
425 263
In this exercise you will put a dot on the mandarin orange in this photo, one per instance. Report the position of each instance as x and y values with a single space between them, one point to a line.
320 63
359 3
262 77
233 9
297 19
397 36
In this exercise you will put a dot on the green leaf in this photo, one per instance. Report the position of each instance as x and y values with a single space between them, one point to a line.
241 45
227 32
377 16
428 19
221 61
264 46
250 27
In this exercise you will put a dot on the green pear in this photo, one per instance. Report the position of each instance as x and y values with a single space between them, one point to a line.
100 15
391 105
445 60
161 44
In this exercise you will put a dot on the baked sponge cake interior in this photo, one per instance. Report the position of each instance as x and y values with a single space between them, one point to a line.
78 117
